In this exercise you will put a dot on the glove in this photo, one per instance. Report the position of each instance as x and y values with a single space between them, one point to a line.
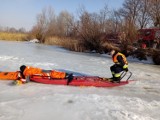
17 82
125 69
20 82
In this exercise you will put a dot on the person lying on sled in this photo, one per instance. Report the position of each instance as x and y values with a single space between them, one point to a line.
27 71
120 64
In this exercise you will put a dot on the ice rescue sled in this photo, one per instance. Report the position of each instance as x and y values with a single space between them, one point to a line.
80 81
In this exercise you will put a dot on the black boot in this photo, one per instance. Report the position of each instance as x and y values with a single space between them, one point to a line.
116 79
69 78
112 77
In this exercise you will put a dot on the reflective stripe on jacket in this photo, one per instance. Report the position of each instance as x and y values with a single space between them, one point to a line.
114 58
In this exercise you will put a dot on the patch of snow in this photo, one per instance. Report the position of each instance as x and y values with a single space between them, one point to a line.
34 41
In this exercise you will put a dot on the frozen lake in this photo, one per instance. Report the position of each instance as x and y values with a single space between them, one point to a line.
139 100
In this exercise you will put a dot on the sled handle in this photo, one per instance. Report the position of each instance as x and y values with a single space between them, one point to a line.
124 74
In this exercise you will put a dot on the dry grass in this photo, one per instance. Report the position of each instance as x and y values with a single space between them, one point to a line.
75 45
68 43
109 46
13 36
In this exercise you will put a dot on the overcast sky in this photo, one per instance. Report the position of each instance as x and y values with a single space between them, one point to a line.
22 13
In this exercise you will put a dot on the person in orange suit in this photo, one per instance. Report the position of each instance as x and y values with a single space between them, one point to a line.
27 71
22 76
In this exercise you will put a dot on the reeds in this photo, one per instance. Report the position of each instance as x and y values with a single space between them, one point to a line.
13 36
65 42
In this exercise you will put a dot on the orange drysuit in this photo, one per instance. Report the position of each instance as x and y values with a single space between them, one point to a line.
10 75
29 71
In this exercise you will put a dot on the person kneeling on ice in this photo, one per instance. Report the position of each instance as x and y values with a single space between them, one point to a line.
27 71
120 65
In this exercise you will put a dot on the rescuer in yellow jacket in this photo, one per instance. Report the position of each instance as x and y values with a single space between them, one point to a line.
120 64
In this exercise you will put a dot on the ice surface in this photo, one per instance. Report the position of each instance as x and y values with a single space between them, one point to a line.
139 100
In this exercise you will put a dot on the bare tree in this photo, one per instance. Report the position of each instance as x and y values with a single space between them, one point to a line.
65 23
103 17
22 30
155 12
12 30
143 15
92 27
130 10
116 21
89 30
44 23
130 13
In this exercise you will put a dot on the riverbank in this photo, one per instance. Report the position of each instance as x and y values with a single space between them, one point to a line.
76 45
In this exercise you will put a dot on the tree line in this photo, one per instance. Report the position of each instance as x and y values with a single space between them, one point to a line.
90 28
90 31
12 30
